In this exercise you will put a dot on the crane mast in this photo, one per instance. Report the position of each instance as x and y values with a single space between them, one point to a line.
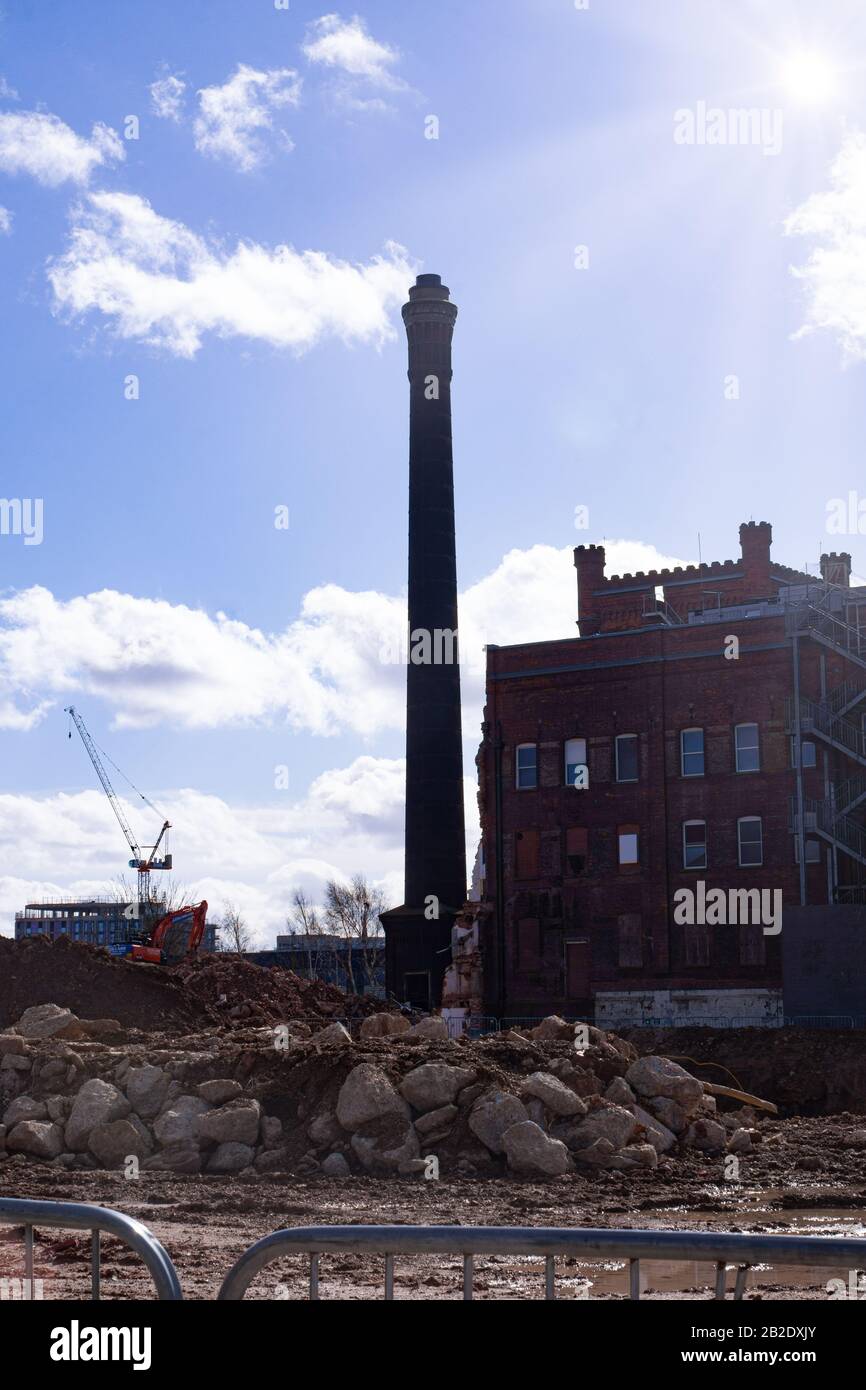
138 862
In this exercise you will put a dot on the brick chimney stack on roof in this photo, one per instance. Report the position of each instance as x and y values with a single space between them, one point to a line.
755 540
836 569
589 561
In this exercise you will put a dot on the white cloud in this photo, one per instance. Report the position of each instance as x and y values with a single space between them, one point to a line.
345 44
232 117
360 65
350 820
167 95
7 92
5 221
162 284
834 276
159 663
43 146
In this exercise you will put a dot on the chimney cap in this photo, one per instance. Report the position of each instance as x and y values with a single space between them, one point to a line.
429 287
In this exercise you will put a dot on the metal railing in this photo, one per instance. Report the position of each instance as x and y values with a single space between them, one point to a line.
701 1021
825 1021
817 620
741 1251
80 1216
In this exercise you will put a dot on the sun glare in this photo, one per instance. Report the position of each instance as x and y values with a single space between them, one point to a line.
809 77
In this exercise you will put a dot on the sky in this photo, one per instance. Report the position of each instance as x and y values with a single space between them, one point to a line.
210 215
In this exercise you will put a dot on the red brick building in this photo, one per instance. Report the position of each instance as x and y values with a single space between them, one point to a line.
707 724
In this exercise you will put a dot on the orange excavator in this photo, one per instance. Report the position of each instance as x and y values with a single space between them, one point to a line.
175 936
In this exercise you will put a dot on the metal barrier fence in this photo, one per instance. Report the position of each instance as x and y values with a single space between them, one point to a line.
720 1250
79 1216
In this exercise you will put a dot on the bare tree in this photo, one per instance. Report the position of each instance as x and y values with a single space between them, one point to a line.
165 896
352 915
233 929
303 920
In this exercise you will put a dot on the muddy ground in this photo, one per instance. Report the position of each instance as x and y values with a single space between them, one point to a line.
205 1223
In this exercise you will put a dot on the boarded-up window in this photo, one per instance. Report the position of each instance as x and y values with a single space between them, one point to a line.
526 842
697 944
753 950
577 969
528 943
630 942
576 849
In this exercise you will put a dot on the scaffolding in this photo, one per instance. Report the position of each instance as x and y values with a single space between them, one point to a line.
830 615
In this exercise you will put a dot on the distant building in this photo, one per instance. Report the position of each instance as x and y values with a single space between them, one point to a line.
322 957
93 921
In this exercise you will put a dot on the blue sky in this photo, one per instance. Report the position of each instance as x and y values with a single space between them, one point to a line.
204 646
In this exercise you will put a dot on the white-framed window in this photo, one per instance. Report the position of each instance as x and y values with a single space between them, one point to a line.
692 752
813 851
575 757
694 844
626 758
526 766
629 846
750 842
810 753
748 756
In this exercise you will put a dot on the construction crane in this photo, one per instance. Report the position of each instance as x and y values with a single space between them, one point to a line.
139 862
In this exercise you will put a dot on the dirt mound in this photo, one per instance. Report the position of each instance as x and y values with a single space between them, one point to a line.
210 989
90 982
806 1071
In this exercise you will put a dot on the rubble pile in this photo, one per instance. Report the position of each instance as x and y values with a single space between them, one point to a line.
227 986
538 1104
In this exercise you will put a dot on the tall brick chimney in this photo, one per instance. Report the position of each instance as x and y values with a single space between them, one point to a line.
435 854
755 540
589 562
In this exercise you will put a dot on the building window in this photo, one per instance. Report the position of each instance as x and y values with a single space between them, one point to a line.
629 846
813 851
527 766
753 949
696 939
528 944
576 849
526 853
630 942
747 752
694 844
750 841
626 758
810 756
416 988
692 752
575 757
